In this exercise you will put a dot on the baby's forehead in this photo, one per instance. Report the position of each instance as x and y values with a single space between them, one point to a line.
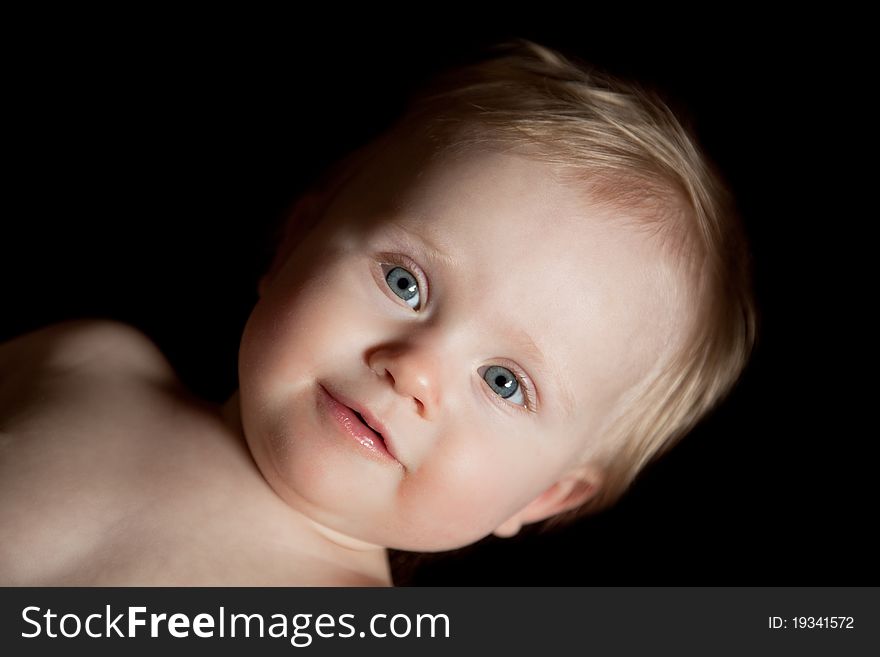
504 206
409 178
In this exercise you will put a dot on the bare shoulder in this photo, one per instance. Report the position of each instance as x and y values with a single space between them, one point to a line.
68 355
82 343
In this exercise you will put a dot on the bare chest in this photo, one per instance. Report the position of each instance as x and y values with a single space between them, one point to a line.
103 474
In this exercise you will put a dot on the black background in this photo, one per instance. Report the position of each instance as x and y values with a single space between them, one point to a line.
146 169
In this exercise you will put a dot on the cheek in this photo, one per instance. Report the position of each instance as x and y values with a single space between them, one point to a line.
289 342
297 326
453 502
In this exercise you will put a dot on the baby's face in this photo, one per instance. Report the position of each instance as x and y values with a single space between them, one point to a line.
486 315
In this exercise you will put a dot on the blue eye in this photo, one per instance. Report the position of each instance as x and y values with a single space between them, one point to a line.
504 382
404 285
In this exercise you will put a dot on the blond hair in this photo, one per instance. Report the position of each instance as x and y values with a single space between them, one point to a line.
622 143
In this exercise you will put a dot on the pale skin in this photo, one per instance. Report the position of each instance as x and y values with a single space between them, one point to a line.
112 473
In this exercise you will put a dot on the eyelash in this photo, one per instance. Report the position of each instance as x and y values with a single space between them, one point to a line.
522 379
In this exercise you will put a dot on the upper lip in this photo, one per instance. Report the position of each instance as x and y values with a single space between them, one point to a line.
372 421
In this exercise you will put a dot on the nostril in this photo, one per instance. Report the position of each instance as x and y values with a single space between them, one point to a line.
382 373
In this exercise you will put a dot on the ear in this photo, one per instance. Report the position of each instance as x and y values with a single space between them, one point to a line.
575 488
301 218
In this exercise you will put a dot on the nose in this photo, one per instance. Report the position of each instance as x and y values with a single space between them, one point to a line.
413 370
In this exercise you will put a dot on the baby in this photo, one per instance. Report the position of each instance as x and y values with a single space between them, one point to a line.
494 314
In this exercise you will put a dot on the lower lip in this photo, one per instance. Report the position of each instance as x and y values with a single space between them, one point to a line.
349 424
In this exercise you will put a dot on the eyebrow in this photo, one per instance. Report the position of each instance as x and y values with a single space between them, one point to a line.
522 341
428 245
526 345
